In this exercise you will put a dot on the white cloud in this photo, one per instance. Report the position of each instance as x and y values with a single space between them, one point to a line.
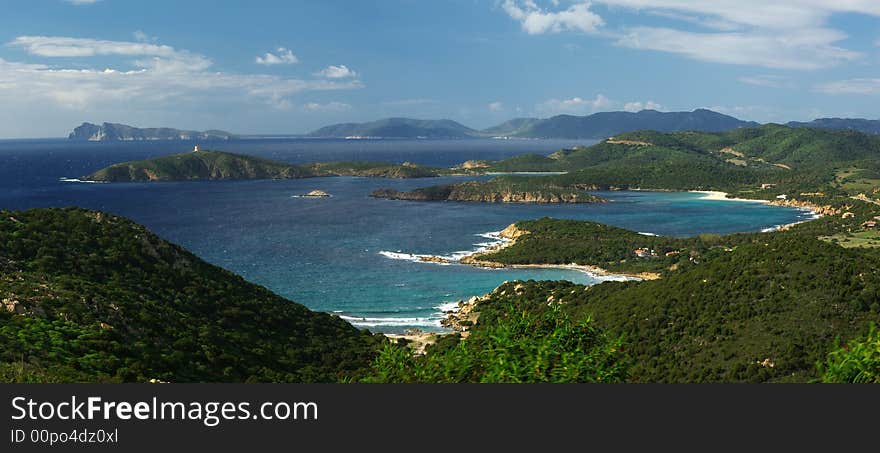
770 81
797 49
573 106
282 56
82 2
328 107
158 77
536 20
777 14
55 46
496 106
786 34
336 72
639 106
851 86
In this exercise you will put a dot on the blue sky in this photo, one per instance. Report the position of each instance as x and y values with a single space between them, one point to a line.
263 66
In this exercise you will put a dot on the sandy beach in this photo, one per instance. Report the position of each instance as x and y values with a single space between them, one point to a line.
722 196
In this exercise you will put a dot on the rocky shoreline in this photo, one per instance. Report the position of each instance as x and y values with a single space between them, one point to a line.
470 191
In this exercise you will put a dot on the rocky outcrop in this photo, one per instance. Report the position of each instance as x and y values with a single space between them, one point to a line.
317 194
434 259
465 316
474 164
821 210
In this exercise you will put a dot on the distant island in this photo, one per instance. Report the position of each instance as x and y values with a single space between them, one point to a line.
108 132
397 128
200 165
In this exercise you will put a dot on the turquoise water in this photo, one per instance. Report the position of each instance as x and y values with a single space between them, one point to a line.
350 253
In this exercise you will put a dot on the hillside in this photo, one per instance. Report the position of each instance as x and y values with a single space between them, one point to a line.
767 311
90 297
123 132
606 124
397 128
217 165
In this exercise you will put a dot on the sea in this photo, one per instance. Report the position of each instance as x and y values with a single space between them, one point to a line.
348 254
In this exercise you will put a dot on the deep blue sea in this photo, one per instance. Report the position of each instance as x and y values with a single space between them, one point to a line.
348 254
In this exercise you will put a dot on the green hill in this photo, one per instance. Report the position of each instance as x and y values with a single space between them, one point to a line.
217 165
90 297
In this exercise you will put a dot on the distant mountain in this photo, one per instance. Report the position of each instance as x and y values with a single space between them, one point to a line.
855 124
511 127
398 128
607 124
123 132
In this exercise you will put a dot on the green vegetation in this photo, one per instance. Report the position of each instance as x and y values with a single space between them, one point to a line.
90 297
766 311
515 346
870 238
216 165
857 362
554 241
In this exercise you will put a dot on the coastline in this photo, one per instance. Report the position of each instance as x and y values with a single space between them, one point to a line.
815 211
508 237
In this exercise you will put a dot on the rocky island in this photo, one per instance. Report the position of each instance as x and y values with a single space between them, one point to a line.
122 132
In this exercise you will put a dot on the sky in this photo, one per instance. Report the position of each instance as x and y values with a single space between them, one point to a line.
287 67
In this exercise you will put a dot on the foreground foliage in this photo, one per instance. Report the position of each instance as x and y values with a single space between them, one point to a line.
516 347
857 362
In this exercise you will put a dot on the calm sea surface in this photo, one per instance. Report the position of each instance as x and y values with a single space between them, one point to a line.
349 254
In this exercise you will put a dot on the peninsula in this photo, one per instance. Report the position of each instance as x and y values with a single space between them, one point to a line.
201 165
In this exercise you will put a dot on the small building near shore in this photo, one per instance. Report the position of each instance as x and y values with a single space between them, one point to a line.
870 224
